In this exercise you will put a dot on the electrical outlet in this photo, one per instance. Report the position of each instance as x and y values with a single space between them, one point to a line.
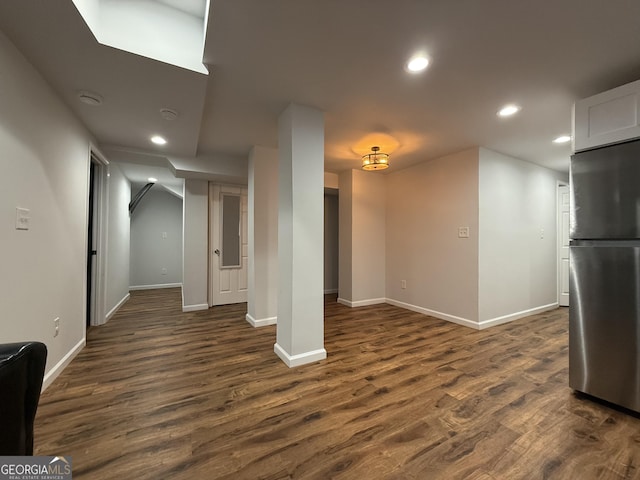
56 326
163 271
403 284
463 232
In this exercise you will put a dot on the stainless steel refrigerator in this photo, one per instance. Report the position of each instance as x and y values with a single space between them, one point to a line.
604 314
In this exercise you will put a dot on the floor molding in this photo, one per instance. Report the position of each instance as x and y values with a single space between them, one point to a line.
362 303
434 313
195 308
301 358
262 322
57 369
515 316
154 287
115 309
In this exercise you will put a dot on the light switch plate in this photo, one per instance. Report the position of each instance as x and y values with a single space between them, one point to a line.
22 218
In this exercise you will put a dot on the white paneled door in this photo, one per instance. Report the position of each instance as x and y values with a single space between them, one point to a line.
228 215
563 245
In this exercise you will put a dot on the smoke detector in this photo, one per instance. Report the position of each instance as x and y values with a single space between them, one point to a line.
90 98
168 114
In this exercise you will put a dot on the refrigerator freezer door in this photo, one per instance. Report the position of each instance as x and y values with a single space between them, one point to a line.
604 322
605 192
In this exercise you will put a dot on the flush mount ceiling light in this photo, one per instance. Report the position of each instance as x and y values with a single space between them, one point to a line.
152 179
562 139
375 160
417 64
508 110
168 114
158 140
90 98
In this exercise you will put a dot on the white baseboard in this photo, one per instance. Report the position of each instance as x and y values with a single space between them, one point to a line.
57 369
263 322
515 316
113 311
195 308
154 287
433 313
330 291
492 322
301 358
362 303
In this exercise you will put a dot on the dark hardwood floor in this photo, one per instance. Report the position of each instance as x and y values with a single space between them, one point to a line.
161 394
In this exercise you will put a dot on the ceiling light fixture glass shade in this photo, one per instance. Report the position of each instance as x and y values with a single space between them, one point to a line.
562 139
509 110
158 140
376 160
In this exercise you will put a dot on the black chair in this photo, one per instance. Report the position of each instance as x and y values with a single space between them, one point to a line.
21 374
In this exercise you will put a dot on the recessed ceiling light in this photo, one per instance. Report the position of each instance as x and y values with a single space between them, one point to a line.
508 110
562 139
417 64
158 140
152 179
90 98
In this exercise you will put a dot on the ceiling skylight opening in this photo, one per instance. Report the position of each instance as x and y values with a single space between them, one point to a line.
158 140
562 139
509 110
417 64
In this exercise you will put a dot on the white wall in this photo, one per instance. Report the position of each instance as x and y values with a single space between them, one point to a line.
330 243
368 236
262 294
156 240
44 159
362 215
517 241
195 245
118 228
425 206
345 221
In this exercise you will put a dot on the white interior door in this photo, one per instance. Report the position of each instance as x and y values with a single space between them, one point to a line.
563 245
228 215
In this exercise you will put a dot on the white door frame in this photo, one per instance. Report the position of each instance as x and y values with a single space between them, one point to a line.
101 212
215 191
563 297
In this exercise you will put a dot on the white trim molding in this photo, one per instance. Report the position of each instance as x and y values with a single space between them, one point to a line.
362 303
153 287
113 311
195 308
434 313
62 364
262 322
301 358
492 322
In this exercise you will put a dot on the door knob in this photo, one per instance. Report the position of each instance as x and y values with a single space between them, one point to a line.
216 251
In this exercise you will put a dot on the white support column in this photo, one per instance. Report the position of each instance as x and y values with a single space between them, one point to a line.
195 249
262 298
300 333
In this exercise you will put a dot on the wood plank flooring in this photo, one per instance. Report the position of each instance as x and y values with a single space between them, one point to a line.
161 394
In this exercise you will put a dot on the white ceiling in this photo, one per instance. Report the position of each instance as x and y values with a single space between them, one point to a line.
192 7
347 59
